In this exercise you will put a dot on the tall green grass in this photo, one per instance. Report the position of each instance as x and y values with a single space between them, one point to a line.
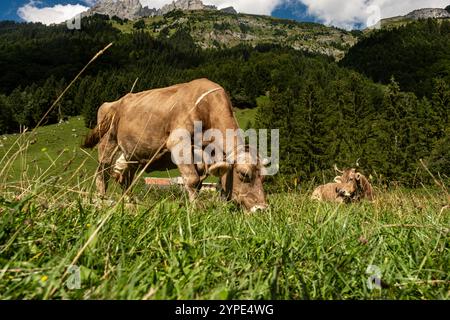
163 247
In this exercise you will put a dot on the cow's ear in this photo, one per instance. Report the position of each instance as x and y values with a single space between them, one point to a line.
338 179
265 162
358 176
219 169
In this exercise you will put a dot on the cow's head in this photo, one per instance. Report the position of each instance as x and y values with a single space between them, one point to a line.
364 188
349 175
346 190
242 181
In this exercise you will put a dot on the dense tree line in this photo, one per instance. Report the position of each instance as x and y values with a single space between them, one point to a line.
326 113
340 117
414 54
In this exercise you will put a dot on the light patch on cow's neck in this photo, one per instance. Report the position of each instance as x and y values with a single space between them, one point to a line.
236 123
203 96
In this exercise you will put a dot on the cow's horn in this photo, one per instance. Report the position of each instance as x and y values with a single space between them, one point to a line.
357 162
337 170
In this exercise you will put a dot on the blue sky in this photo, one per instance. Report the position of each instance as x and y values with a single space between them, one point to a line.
9 9
297 11
346 14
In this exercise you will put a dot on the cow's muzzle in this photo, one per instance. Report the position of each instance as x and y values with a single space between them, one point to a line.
259 208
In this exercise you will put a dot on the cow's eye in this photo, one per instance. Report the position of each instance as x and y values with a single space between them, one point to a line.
245 176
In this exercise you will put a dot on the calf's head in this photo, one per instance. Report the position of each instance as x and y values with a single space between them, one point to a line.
364 188
349 175
242 181
346 191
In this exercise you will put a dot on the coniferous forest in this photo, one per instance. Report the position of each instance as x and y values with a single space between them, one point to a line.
387 103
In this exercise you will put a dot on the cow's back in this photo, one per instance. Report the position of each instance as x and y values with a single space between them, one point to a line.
165 105
147 118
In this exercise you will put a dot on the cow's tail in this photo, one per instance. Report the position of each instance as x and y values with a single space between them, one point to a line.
96 134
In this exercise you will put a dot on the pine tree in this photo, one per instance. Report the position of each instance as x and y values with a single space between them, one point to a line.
7 122
92 102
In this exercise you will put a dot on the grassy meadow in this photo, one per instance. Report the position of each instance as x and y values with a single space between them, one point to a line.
163 247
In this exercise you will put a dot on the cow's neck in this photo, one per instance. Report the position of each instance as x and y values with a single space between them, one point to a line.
231 124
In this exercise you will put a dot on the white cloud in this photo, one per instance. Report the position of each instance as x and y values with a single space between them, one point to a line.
48 15
245 6
347 14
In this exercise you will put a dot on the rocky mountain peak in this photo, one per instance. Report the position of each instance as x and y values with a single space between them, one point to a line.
185 5
133 10
426 13
124 9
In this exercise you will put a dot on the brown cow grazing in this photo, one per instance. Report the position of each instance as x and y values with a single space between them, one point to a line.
143 130
364 188
335 192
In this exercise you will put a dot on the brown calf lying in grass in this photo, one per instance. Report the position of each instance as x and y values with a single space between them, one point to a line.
364 188
335 192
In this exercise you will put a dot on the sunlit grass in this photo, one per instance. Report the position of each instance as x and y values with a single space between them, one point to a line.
212 250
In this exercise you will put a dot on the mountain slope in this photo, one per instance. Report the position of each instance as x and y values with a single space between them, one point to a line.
224 28
420 14
218 29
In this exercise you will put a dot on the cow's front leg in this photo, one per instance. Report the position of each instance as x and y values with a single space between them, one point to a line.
192 181
180 145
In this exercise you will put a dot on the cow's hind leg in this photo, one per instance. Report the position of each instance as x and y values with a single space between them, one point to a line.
101 179
129 177
123 172
127 182
107 150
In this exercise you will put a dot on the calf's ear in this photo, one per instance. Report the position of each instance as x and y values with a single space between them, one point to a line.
265 162
219 169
